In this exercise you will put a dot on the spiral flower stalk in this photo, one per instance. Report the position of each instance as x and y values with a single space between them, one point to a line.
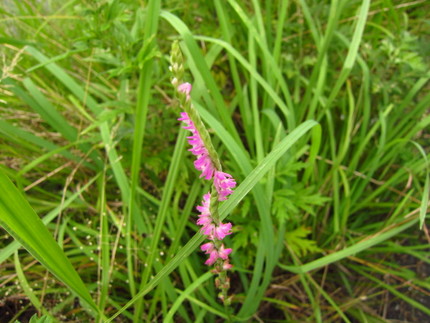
208 164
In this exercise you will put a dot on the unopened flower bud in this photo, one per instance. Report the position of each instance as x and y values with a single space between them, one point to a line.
217 283
175 82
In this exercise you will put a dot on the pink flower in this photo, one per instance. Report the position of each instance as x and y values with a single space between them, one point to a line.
204 220
205 208
213 231
223 183
205 217
185 88
213 256
221 231
203 162
208 230
223 253
197 145
208 247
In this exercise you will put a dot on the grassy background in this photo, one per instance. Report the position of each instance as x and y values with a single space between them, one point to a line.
327 217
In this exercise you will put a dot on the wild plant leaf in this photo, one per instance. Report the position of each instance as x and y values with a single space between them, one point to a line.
298 242
292 202
246 241
43 319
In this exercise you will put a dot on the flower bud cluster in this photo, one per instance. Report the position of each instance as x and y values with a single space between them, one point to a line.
176 64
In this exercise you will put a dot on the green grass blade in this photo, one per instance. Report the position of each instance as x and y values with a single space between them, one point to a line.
425 199
7 251
165 201
395 292
20 220
105 131
104 243
228 31
323 45
25 286
197 283
254 73
352 52
354 249
64 78
49 113
139 127
268 57
27 139
260 278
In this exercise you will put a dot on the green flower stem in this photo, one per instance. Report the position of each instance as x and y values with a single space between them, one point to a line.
213 206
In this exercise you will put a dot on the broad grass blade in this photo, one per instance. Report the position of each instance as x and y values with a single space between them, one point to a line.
22 222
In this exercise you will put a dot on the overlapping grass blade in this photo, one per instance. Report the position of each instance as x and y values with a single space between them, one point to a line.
190 289
7 251
355 248
25 285
139 130
20 220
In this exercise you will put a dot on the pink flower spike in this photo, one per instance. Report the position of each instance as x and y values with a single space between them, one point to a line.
223 253
203 162
223 183
222 230
213 256
204 209
185 88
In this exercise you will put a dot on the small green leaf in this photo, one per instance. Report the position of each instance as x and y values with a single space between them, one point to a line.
292 202
42 319
298 242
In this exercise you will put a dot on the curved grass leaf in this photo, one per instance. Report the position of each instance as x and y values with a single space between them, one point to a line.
20 220
184 294
354 249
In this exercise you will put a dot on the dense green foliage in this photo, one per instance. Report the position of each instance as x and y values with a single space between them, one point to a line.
320 110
